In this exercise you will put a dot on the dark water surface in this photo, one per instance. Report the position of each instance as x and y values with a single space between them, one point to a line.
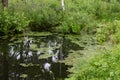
35 58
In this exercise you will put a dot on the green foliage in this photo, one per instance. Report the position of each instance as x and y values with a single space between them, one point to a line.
102 66
12 21
44 14
85 15
116 37
79 15
76 18
108 31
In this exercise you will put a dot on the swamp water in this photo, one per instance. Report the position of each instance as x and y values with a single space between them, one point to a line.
35 58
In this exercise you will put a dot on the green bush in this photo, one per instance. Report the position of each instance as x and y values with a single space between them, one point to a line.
104 66
76 18
43 14
108 31
115 38
85 15
12 21
79 15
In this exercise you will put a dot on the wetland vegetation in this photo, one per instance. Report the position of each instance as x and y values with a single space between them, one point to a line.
59 39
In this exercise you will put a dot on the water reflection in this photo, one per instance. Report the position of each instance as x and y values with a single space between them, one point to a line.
34 58
47 66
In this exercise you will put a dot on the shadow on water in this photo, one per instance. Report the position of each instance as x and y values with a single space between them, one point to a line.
35 58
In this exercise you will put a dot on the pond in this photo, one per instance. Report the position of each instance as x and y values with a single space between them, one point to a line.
35 57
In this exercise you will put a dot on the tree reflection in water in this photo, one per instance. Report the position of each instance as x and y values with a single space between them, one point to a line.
19 62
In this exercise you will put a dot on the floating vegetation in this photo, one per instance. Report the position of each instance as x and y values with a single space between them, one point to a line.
37 34
73 57
31 53
44 56
27 65
23 75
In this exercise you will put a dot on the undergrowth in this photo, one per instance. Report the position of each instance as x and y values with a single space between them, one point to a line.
103 66
78 16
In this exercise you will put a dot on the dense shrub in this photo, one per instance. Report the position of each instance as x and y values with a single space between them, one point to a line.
108 31
79 15
87 14
43 14
12 21
76 17
104 66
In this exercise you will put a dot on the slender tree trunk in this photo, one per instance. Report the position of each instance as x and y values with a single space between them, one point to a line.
5 3
63 5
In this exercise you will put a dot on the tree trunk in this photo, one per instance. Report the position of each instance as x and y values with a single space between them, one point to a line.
63 5
5 3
